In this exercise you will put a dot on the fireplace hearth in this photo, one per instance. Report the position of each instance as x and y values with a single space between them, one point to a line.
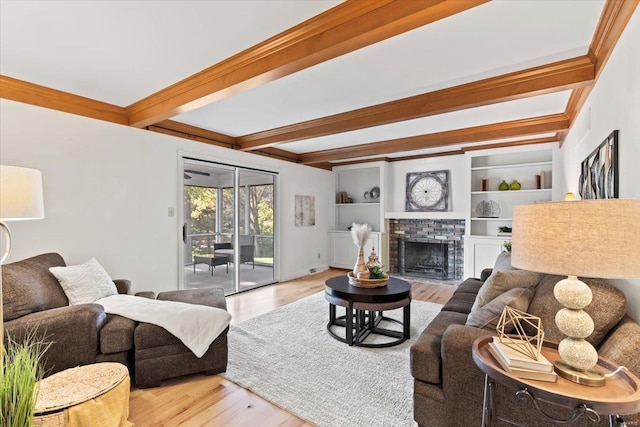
426 258
442 256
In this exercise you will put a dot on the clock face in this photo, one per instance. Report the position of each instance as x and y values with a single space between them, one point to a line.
427 191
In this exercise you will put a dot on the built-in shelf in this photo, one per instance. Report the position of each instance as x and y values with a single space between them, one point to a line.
509 166
532 167
359 204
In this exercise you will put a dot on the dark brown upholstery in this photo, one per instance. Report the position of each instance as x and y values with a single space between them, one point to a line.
28 286
448 386
81 334
159 355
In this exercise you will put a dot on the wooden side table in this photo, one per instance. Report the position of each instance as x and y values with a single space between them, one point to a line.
619 396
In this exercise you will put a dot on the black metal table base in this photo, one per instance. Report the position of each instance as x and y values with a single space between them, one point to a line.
359 324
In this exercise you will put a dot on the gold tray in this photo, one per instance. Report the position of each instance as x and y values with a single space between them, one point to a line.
366 283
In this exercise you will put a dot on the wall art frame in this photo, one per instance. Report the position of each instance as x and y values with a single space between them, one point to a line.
304 211
427 191
599 174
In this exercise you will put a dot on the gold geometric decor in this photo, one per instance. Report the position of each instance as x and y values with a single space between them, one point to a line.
528 345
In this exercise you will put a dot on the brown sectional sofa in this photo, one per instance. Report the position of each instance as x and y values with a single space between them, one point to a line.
84 333
159 355
448 386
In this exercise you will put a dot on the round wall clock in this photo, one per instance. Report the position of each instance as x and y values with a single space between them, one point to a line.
427 191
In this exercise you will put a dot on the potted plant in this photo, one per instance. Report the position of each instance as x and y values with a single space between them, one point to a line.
19 376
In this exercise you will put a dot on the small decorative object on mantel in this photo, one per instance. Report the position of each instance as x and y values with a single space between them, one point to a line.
515 185
523 343
503 186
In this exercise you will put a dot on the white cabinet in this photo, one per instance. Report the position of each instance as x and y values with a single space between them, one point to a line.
344 253
491 208
481 253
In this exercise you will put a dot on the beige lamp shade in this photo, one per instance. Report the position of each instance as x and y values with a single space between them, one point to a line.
20 193
587 238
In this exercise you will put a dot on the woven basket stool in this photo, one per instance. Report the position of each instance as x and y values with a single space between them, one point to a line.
96 394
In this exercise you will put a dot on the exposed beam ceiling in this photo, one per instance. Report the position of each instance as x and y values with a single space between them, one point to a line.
29 93
555 77
613 20
537 125
350 28
342 29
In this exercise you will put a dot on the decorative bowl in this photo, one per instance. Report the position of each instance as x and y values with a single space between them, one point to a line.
366 283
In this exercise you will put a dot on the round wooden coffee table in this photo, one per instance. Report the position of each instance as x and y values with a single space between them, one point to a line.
364 310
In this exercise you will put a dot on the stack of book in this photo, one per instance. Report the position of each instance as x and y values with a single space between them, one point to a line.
520 365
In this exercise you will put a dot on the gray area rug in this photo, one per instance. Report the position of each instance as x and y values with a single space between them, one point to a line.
287 358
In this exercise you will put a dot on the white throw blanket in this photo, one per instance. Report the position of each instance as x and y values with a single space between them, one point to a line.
197 326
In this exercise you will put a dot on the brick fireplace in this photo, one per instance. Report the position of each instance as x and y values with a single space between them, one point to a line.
431 248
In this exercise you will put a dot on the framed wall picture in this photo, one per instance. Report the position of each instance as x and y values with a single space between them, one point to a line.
305 211
599 171
427 191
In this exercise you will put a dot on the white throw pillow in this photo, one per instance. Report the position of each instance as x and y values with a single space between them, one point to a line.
84 283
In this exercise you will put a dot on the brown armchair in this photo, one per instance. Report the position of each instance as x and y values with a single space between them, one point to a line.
81 334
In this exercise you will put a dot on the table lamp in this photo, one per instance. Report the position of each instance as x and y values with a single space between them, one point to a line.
586 238
20 199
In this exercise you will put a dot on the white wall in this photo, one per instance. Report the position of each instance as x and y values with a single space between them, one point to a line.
458 181
108 188
613 104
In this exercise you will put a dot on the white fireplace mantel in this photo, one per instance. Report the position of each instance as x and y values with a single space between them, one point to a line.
424 215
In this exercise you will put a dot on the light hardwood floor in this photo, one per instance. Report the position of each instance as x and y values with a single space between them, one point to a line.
199 400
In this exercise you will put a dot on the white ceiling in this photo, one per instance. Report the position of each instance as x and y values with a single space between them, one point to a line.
122 51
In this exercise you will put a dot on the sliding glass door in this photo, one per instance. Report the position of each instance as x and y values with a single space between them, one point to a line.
228 226
256 224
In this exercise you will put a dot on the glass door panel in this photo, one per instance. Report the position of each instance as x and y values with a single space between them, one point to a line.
224 208
256 220
208 223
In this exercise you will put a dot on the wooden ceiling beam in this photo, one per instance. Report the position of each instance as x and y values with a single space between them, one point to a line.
558 76
531 126
531 141
224 140
42 96
342 29
450 152
613 20
279 154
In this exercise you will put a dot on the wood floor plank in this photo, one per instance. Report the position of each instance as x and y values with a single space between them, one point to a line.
200 400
